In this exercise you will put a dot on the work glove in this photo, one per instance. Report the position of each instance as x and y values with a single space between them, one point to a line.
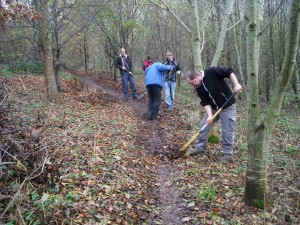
178 72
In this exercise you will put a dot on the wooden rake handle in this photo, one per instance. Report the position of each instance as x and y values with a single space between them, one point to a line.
195 136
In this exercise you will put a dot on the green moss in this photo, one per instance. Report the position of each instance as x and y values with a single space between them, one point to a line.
259 204
214 139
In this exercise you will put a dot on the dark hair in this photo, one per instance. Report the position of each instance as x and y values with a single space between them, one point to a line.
148 57
191 75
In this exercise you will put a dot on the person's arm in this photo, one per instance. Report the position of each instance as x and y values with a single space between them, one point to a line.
178 69
208 111
235 83
162 67
117 63
130 65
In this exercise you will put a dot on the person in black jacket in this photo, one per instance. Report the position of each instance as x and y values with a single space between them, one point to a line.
170 81
124 63
214 91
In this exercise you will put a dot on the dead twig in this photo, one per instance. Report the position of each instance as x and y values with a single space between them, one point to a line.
20 220
14 198
5 196
25 89
3 100
19 164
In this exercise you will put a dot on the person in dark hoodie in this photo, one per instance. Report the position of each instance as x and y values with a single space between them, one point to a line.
124 63
154 80
170 81
214 91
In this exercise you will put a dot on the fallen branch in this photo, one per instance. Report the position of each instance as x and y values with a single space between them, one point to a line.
14 198
6 163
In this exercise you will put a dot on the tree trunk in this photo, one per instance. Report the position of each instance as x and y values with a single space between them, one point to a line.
45 48
255 189
259 132
196 37
238 47
85 51
57 50
297 80
221 39
296 86
219 48
268 83
272 49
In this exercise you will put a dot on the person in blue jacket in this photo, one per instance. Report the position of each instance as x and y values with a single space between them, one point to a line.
154 80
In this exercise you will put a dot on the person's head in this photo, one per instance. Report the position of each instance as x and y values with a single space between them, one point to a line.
148 58
122 52
194 78
169 56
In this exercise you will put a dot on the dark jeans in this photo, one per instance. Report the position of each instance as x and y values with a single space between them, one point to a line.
154 101
125 77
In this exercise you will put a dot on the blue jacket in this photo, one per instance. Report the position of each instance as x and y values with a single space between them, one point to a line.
155 73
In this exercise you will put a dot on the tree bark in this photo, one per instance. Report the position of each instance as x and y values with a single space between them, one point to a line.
296 79
296 85
85 50
256 175
259 131
196 37
222 34
45 48
57 50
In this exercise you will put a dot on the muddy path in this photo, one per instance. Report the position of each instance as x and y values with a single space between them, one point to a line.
161 153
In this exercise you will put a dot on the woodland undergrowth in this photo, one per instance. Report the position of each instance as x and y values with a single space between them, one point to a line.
77 161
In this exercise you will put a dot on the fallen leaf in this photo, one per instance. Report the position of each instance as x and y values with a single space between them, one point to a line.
186 219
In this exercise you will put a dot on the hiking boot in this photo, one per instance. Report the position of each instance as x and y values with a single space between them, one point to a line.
125 99
158 117
169 109
146 116
226 158
135 97
194 151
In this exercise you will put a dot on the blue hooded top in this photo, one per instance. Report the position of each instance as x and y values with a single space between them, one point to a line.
155 73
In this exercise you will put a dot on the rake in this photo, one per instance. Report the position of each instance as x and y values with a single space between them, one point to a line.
186 145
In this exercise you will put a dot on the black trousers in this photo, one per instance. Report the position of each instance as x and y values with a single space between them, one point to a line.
154 100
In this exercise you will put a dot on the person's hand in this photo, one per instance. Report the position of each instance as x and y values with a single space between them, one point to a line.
123 68
130 72
178 72
209 120
238 88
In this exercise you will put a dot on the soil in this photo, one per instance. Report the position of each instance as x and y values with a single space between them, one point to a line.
160 147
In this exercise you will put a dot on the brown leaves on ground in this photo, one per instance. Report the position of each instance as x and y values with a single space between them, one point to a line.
92 159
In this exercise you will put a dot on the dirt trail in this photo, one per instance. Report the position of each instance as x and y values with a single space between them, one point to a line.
154 137
169 195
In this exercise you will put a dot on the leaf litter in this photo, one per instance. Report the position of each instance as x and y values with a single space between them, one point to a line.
92 159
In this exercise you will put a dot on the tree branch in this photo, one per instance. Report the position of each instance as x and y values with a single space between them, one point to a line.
167 8
271 19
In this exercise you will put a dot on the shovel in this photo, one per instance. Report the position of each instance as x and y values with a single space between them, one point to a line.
186 145
142 95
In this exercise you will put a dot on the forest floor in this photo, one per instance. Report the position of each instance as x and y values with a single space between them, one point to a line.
91 159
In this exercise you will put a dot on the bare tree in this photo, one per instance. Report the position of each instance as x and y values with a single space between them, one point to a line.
45 49
260 130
